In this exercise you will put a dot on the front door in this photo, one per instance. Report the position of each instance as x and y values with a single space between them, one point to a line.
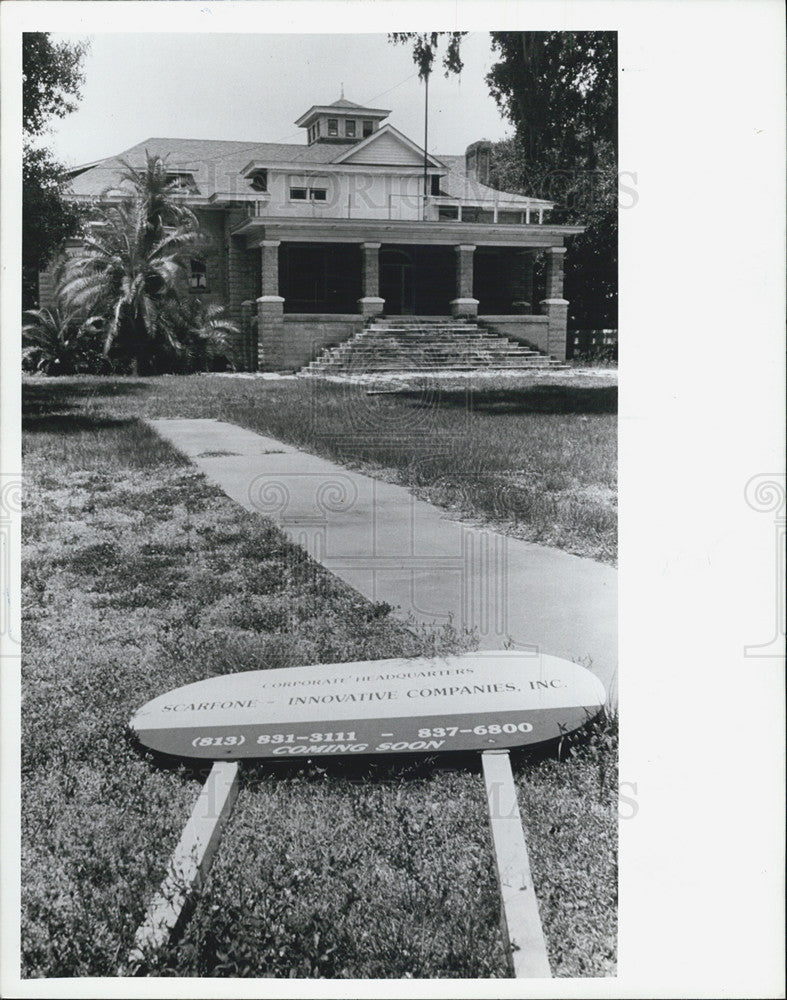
396 282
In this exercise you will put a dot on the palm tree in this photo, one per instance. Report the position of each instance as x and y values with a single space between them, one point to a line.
59 341
155 187
204 333
132 268
130 272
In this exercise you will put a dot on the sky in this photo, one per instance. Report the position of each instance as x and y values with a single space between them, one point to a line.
252 87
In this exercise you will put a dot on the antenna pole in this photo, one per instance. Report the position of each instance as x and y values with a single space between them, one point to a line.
426 138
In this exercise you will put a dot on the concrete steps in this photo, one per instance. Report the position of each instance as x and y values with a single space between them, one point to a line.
429 344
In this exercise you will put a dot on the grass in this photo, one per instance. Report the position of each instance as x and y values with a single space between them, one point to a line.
537 459
138 577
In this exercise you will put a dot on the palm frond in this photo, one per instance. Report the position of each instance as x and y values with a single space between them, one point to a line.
131 270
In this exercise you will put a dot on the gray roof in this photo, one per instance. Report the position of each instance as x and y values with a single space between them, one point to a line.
344 103
216 165
457 184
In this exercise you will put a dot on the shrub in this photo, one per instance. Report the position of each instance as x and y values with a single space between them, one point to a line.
56 342
203 336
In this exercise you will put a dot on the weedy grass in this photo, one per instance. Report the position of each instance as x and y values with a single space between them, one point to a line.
138 577
536 459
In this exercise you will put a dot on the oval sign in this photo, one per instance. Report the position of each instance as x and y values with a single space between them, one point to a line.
476 701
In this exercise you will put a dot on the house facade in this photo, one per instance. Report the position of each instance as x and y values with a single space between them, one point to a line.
311 241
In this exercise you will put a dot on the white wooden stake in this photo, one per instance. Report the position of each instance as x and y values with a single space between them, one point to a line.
523 935
191 861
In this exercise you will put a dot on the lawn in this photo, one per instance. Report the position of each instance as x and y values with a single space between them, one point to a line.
536 458
138 577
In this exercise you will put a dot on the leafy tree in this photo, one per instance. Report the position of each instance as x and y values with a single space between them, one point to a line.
52 76
425 45
559 90
47 219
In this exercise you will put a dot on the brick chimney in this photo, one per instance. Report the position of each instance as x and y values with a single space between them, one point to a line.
478 157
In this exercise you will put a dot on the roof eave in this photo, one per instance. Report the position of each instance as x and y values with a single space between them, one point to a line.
326 109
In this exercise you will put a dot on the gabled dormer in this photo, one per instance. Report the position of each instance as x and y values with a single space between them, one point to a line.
341 122
388 147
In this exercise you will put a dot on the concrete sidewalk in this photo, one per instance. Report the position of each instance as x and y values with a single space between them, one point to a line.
392 547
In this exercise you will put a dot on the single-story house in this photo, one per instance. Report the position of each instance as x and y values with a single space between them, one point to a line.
314 240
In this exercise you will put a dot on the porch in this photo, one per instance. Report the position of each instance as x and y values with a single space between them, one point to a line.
317 285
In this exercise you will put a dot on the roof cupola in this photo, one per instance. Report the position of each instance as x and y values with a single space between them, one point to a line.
341 122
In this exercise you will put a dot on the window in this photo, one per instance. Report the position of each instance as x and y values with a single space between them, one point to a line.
349 128
445 212
473 213
333 126
181 183
308 194
198 274
259 180
368 128
435 186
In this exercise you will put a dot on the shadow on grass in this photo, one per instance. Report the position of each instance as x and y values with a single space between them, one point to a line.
49 396
70 423
68 417
530 399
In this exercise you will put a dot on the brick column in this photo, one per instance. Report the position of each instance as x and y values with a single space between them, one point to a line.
464 304
555 272
554 305
241 268
270 311
521 281
270 267
370 304
248 327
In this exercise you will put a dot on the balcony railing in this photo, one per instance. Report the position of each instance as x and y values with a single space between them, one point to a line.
411 208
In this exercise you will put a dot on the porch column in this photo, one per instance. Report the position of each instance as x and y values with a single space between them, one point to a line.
248 329
270 267
370 304
464 304
522 282
554 305
270 310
